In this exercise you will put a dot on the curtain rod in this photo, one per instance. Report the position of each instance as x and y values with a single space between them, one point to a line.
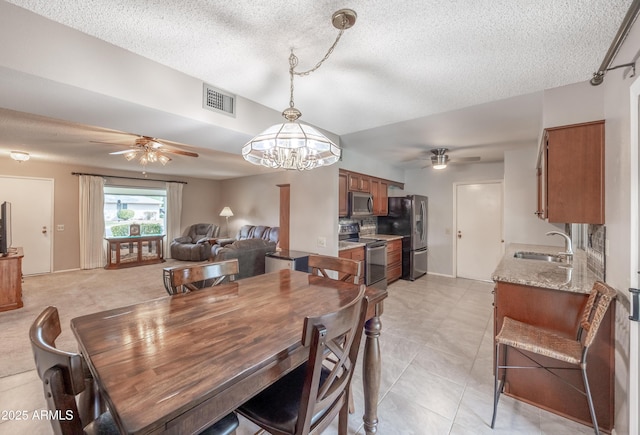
128 178
623 31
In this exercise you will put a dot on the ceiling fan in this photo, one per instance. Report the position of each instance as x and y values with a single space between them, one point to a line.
149 150
440 159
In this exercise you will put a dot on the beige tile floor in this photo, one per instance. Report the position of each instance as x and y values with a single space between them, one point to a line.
436 375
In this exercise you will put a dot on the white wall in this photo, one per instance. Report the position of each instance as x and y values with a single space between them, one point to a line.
314 205
618 212
357 162
438 186
521 225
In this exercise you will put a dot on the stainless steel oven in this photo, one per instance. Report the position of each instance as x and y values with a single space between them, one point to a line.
375 255
375 258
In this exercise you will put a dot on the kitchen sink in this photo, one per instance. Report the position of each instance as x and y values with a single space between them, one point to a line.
553 258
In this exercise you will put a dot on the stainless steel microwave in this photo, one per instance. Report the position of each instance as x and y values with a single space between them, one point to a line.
360 204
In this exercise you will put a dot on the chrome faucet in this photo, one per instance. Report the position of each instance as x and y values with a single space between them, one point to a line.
568 250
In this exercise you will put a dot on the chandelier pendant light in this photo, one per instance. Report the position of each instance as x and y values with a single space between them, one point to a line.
293 145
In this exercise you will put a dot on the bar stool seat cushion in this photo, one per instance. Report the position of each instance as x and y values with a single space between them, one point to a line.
537 340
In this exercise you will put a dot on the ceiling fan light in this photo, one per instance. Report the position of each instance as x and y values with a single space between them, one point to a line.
130 155
20 156
439 161
164 159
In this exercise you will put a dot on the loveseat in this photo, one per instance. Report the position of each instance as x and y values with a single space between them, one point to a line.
250 246
194 245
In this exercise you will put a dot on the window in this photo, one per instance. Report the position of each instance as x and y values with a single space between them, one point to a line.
124 206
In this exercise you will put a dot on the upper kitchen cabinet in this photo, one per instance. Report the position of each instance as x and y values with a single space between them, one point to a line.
343 200
380 192
359 183
354 182
570 174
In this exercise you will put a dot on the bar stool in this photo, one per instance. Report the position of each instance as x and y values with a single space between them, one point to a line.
524 337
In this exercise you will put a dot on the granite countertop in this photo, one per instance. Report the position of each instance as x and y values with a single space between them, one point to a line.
387 237
536 273
342 245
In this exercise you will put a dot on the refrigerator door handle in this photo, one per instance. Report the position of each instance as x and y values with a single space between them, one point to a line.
423 222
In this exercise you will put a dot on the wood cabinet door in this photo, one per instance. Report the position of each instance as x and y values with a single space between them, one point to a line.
374 184
575 174
343 206
383 198
354 254
359 183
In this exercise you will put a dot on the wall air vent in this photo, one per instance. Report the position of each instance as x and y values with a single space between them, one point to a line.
217 101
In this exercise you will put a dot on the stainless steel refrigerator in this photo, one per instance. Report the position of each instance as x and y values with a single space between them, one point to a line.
408 218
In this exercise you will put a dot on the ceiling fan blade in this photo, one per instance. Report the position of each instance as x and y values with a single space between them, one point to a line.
181 152
465 159
111 143
124 151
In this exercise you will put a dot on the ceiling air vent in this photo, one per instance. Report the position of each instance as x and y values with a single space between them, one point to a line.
216 100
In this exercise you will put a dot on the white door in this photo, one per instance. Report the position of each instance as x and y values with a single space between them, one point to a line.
479 244
31 220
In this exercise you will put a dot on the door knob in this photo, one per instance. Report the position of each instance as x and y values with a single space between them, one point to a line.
44 230
459 234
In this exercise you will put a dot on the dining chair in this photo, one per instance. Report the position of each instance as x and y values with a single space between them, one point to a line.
347 269
70 390
525 337
68 385
183 279
307 399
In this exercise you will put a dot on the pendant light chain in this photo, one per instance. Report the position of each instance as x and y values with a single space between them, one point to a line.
293 60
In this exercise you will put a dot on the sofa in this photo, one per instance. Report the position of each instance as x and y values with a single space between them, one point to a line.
249 247
195 244
263 232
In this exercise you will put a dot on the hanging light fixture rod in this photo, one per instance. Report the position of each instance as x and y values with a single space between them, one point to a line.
623 31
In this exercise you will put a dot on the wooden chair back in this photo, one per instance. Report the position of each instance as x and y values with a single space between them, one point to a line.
183 279
348 270
333 337
68 385
597 304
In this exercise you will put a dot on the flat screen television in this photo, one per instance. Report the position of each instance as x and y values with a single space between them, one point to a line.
5 228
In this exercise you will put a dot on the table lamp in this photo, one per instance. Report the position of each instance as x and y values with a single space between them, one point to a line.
226 212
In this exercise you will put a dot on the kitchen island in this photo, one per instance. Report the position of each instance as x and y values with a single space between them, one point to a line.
552 295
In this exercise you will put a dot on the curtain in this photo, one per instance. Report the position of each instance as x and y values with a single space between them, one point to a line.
173 215
92 254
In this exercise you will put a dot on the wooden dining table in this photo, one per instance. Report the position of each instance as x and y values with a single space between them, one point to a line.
179 363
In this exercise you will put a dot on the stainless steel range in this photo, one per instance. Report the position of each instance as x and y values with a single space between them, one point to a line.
375 255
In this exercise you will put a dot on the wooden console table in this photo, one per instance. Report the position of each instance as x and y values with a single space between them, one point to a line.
11 280
134 251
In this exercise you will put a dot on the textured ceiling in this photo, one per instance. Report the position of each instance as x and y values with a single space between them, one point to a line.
402 61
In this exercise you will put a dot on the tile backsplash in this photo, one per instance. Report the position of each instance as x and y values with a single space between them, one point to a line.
368 225
595 248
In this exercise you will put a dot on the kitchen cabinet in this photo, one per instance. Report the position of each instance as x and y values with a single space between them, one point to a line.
570 174
354 182
354 254
394 260
11 280
343 199
379 190
558 310
359 182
